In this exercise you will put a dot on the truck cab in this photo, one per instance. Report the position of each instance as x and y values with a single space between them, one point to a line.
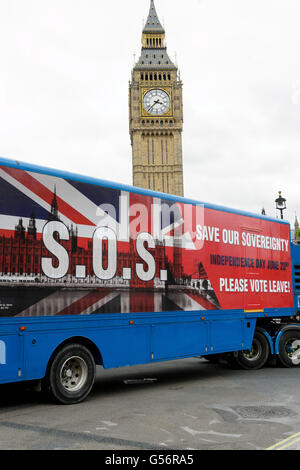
295 257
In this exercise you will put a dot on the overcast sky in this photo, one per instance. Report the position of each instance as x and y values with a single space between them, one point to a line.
65 67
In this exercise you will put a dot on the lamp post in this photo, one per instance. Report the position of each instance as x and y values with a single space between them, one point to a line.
280 204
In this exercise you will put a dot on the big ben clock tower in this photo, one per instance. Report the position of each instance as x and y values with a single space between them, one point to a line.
156 114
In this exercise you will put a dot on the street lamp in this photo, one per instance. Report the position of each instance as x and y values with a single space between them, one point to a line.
280 204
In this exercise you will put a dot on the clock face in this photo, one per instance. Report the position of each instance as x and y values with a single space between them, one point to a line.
157 102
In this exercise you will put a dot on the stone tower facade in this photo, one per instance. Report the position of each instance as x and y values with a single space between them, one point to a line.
156 114
296 231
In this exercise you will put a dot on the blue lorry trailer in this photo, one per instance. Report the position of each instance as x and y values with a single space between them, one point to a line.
98 273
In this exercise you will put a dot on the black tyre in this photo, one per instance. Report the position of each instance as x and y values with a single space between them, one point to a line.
289 349
71 375
257 356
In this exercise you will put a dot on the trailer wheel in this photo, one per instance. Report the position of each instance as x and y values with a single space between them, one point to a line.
257 356
289 349
71 375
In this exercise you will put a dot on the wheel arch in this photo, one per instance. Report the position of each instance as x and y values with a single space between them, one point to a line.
84 341
268 337
282 330
260 351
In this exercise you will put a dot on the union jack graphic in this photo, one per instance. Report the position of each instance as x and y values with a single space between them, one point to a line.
29 200
106 301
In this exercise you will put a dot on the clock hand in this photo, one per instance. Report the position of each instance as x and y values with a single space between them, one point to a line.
155 102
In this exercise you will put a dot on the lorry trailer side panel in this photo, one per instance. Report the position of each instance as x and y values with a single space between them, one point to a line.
26 347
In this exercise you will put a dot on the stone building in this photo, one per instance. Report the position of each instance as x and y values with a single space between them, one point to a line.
156 114
296 232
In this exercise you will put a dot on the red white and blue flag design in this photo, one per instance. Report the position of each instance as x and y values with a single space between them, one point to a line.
73 247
